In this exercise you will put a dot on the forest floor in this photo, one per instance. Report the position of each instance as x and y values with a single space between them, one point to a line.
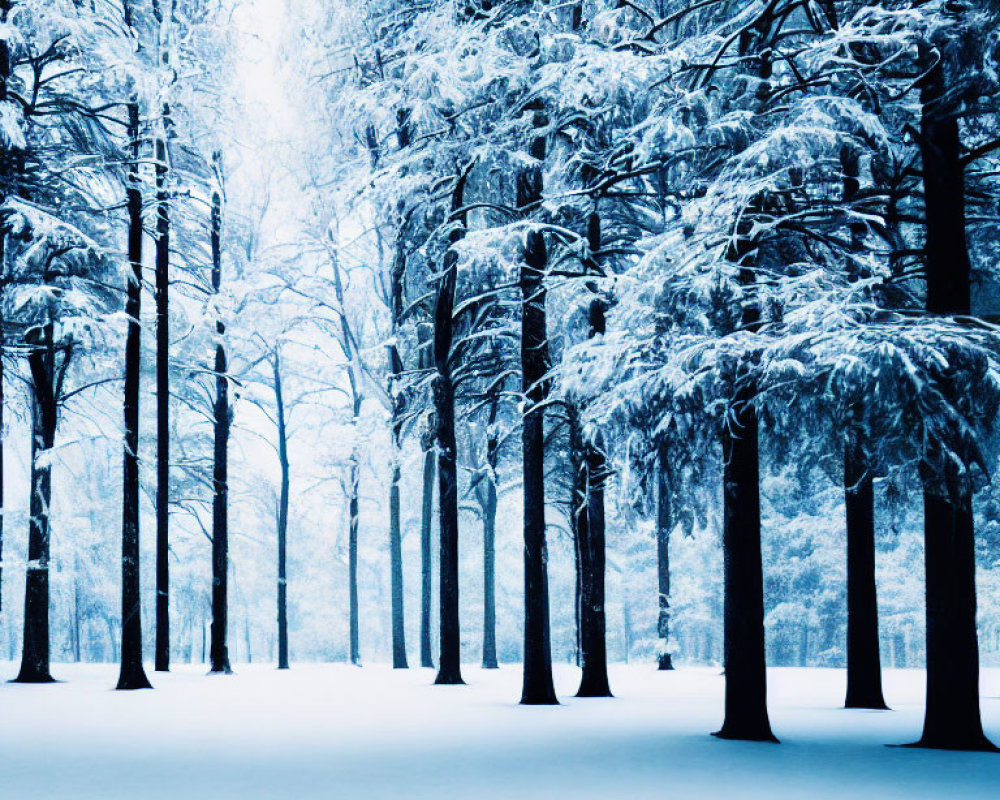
343 733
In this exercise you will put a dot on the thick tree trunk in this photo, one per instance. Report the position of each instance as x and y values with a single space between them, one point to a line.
864 667
162 661
537 687
952 718
593 638
35 650
282 519
132 674
745 659
449 664
222 415
664 524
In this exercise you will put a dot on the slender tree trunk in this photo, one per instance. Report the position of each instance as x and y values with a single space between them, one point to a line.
352 552
132 674
4 77
426 576
398 399
489 548
578 521
593 625
77 647
952 718
424 334
449 663
537 688
282 517
864 668
162 661
664 524
222 414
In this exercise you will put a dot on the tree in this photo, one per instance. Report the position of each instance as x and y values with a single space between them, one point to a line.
220 474
132 675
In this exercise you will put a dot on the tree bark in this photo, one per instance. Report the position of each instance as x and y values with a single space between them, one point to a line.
398 400
952 719
132 674
35 650
162 661
282 520
489 544
4 78
537 688
593 624
864 667
352 551
745 658
222 415
426 576
664 524
449 662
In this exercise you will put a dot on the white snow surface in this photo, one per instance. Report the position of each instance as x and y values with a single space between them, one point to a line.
339 732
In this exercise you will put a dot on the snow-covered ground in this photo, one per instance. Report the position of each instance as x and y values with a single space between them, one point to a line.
342 733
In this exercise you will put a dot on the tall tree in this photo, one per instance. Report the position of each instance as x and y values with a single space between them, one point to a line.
591 532
282 511
425 332
162 294
222 417
537 688
952 719
45 391
132 675
450 634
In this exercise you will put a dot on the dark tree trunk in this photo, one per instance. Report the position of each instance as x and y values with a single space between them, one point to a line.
593 635
352 552
578 519
282 520
537 687
664 524
222 414
745 659
398 400
424 332
864 668
426 577
449 665
952 718
4 77
489 545
593 625
162 661
132 675
35 650
744 652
